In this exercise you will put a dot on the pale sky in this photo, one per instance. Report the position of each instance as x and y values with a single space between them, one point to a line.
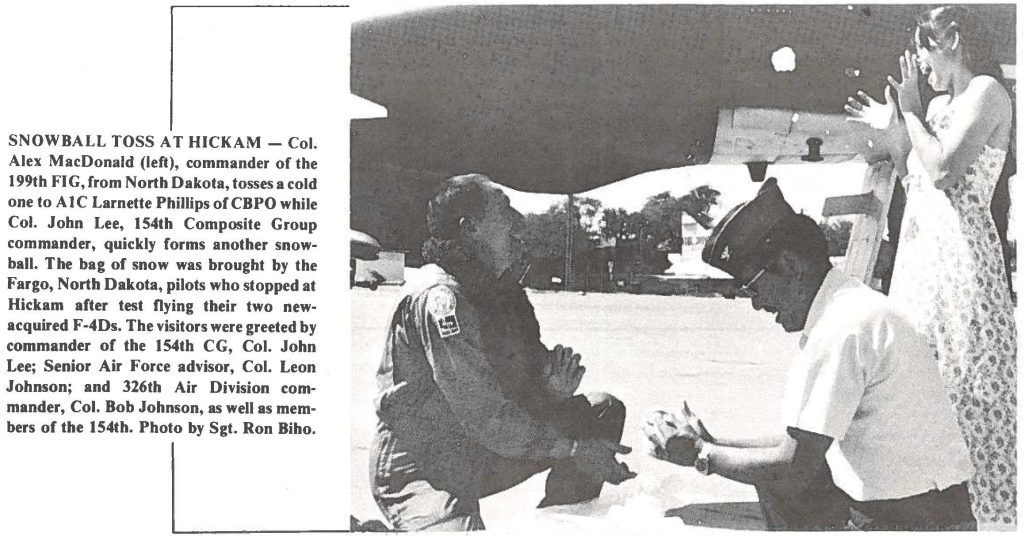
805 186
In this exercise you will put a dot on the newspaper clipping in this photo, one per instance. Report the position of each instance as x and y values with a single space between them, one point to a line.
576 268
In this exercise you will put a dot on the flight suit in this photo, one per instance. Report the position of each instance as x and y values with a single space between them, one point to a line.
462 408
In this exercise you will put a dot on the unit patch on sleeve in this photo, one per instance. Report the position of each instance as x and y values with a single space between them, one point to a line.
448 326
441 306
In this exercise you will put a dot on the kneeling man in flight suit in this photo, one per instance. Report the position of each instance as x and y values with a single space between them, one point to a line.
470 401
870 440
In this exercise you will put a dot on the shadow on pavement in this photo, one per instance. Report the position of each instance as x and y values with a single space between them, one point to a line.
371 525
726 515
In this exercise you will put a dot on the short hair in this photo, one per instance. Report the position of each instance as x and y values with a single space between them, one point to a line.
461 196
799 234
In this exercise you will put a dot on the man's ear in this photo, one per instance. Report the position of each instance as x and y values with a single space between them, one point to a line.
466 225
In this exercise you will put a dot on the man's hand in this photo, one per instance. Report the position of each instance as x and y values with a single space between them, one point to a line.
674 440
696 424
562 373
597 457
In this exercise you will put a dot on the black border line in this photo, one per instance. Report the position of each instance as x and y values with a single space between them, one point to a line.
174 529
171 103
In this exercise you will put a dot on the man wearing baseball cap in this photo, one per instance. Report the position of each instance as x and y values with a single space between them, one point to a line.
868 438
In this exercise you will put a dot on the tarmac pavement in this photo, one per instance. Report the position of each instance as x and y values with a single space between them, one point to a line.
652 352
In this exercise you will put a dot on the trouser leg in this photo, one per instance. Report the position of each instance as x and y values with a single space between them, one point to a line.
417 504
460 523
594 415
413 500
503 473
809 505
582 416
945 510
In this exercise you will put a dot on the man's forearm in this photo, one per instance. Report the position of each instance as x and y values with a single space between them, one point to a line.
514 433
797 456
562 449
750 465
749 442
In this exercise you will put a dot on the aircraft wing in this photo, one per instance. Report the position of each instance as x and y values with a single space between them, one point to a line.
563 99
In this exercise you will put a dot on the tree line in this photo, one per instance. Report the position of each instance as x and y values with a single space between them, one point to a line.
657 226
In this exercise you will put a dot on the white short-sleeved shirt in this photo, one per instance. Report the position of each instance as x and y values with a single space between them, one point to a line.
867 379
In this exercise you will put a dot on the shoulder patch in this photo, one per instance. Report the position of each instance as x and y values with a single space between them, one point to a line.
448 326
440 301
441 306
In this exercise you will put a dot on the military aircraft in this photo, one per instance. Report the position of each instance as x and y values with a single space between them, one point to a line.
564 99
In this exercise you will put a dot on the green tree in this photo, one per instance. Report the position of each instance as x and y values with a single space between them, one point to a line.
619 224
544 234
664 212
588 218
698 202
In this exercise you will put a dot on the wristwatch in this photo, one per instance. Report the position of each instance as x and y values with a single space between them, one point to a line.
703 462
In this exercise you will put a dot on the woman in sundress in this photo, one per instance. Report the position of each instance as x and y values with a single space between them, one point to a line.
949 271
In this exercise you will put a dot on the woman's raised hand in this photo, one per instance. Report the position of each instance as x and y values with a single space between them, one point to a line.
877 115
907 90
884 141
